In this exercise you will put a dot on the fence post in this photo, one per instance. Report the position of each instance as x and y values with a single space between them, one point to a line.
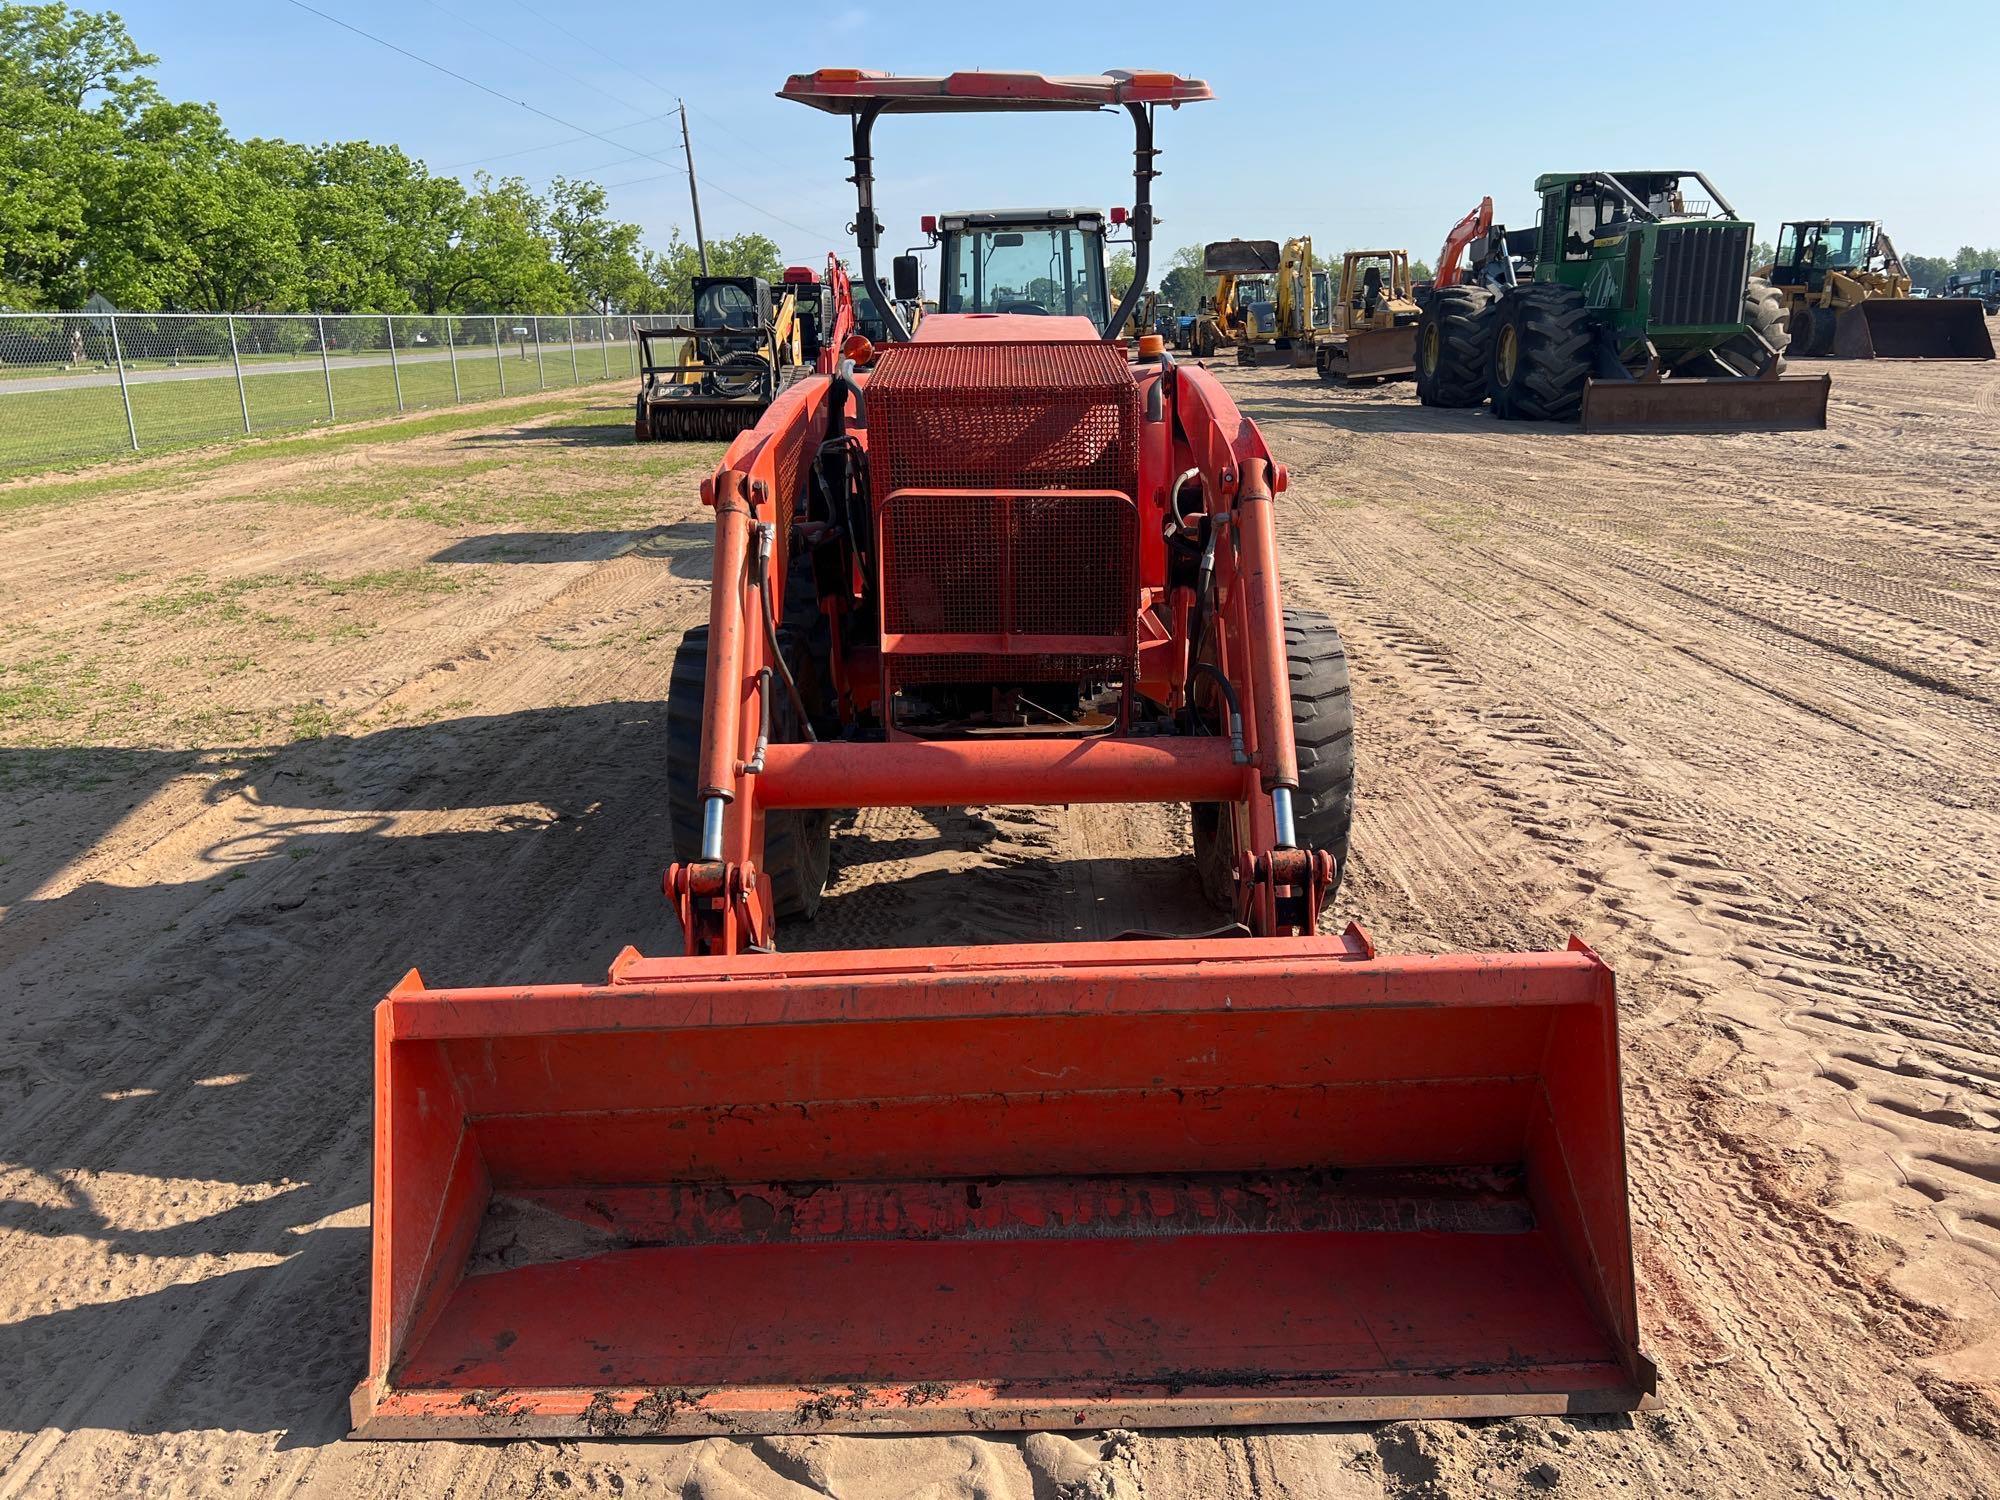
395 372
574 377
604 342
541 374
125 394
451 353
236 359
326 368
499 357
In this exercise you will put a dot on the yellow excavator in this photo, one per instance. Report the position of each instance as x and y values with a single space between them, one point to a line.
1847 294
1372 332
1281 331
1240 273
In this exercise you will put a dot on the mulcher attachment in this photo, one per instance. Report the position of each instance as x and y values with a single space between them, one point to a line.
1142 1183
695 419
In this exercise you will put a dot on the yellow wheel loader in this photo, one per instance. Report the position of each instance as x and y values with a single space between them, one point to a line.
1373 332
1240 273
1847 294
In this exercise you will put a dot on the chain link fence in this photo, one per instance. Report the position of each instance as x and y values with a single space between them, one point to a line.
77 386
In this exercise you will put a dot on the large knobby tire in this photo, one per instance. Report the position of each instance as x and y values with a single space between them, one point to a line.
1323 730
798 844
1541 354
1809 328
1764 310
1455 345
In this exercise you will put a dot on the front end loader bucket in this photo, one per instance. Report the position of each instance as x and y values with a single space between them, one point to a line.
1913 328
1159 1183
1723 403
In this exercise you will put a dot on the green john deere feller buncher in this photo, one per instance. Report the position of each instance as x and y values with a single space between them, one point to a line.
1632 308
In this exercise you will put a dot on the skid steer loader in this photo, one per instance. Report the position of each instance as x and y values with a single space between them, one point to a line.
749 342
1630 306
1255 1175
1847 295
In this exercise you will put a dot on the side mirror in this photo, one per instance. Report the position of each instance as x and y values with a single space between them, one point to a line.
909 274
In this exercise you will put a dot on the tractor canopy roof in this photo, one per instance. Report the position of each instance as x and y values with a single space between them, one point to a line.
986 218
846 91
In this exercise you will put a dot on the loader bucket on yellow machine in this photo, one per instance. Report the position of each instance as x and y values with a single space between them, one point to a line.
1135 1183
1913 328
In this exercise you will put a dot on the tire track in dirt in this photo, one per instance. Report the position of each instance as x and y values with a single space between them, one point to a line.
1642 858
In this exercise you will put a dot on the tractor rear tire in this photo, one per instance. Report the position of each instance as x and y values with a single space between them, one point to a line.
1323 731
1541 354
1764 311
798 843
1455 345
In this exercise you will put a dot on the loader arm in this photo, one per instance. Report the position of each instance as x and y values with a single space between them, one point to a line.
724 898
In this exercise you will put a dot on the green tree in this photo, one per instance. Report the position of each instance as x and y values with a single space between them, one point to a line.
501 260
373 227
1119 271
108 187
599 254
1184 285
71 86
669 274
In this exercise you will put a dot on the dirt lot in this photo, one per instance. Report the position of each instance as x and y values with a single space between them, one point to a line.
277 725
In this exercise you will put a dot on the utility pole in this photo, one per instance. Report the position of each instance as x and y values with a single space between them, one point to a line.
700 244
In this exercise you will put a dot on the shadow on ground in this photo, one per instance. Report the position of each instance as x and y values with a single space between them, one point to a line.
214 1033
686 546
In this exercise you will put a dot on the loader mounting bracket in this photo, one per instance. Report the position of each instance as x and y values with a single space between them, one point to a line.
723 908
1283 892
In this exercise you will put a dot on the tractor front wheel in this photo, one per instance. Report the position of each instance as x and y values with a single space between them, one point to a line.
1323 733
798 843
1454 346
1541 354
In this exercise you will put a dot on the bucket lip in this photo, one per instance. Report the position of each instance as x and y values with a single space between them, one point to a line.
381 1410
1200 975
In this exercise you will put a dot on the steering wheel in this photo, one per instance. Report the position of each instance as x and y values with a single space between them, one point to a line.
1025 307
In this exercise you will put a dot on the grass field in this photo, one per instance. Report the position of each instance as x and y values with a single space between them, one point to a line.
51 428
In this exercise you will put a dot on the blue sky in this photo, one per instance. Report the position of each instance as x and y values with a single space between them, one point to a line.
1789 120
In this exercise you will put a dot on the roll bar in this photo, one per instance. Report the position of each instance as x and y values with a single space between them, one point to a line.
864 97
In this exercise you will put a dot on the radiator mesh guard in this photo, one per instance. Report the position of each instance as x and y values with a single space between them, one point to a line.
1010 433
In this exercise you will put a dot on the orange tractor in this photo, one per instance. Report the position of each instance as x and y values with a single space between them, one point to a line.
1253 1175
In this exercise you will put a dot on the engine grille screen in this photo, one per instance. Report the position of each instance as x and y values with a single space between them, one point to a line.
1033 565
981 458
1698 274
1004 416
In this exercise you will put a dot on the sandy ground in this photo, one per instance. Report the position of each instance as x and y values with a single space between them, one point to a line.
273 731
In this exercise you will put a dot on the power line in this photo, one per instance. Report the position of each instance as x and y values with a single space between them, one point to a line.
534 57
568 140
437 67
625 67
